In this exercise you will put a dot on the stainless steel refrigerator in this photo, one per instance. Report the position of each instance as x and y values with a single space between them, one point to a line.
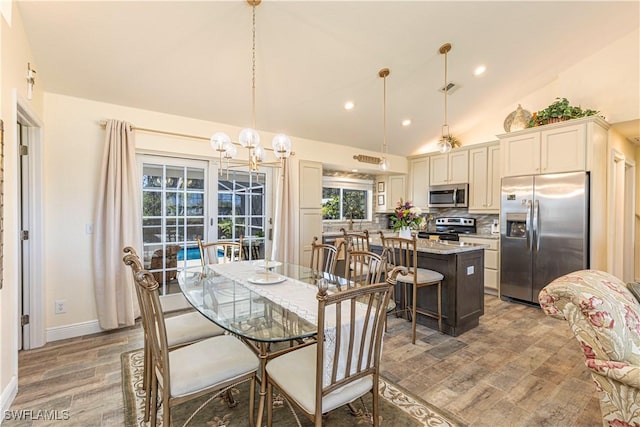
544 231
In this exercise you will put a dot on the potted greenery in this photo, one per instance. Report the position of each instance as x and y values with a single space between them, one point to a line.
558 111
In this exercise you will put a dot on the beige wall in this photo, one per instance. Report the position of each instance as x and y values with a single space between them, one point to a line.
637 223
613 69
16 53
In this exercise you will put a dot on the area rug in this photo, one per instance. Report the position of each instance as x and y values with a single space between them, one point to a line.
397 406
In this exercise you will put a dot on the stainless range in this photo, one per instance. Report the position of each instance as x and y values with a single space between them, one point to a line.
448 228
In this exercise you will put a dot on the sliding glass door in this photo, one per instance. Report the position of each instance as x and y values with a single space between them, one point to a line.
242 207
183 199
175 206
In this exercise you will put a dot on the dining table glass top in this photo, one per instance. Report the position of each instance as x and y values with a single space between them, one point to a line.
257 300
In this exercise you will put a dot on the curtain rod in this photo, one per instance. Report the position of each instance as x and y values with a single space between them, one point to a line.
103 123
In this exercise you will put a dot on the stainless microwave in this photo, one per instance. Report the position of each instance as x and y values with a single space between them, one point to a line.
449 196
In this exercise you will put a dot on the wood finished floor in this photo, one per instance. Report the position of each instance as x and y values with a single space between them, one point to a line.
518 368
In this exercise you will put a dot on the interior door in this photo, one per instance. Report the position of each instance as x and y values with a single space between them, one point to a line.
24 277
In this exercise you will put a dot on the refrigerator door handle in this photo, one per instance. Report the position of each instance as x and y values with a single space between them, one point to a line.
527 225
536 223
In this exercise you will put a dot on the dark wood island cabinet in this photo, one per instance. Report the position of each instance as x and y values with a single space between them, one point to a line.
462 265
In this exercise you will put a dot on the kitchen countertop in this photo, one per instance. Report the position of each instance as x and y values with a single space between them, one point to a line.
482 236
443 247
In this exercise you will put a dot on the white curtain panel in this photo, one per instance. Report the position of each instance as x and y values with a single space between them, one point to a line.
117 224
283 246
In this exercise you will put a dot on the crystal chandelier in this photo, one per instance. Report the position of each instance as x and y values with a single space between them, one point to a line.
446 140
384 162
249 137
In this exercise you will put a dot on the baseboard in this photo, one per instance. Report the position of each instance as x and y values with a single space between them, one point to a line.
74 330
7 396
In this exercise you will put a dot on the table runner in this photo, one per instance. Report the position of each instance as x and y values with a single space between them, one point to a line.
300 298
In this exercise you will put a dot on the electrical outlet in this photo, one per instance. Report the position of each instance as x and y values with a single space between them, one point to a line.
60 306
470 270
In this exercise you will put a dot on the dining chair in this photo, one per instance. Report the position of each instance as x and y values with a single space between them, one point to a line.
181 329
364 268
220 252
344 363
324 256
212 365
404 252
356 240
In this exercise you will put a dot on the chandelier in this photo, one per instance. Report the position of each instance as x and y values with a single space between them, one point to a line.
384 162
446 140
249 137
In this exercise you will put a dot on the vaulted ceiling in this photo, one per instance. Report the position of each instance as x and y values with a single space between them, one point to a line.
194 59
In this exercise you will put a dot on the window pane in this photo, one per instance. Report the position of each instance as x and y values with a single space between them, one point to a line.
152 203
330 203
354 203
195 204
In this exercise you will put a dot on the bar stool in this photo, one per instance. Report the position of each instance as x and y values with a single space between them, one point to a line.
403 252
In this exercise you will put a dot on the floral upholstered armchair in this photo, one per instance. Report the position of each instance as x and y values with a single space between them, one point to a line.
605 319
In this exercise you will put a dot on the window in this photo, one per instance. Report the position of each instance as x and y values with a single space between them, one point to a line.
345 198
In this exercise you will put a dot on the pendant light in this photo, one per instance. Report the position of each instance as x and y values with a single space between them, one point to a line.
444 145
249 138
384 162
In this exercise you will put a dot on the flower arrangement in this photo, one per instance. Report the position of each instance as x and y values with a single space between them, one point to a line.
406 215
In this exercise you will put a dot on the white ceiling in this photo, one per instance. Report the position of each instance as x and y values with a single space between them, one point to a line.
194 59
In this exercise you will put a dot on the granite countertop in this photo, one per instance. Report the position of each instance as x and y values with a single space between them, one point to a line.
483 236
443 247
339 233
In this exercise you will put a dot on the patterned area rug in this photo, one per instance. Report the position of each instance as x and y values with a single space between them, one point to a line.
397 406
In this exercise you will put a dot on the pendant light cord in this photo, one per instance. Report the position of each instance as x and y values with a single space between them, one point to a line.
253 69
384 116
446 90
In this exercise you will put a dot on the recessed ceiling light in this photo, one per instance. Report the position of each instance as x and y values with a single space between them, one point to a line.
349 105
480 69
406 122
354 170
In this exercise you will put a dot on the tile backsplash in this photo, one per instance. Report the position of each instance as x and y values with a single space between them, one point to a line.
380 221
483 221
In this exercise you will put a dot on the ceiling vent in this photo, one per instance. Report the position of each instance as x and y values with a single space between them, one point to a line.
452 87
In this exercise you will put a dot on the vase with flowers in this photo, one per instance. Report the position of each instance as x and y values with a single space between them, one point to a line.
405 217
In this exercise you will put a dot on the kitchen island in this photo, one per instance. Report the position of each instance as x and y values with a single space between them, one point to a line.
462 265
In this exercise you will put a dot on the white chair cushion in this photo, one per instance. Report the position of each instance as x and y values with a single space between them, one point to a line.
174 302
424 276
208 362
190 327
295 372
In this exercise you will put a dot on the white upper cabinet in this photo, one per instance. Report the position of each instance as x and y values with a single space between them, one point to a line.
419 182
547 149
396 190
563 149
389 189
484 179
450 168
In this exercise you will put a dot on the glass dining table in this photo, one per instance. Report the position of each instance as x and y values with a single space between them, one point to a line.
263 303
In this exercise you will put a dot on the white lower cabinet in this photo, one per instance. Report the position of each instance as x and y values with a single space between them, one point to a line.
491 262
